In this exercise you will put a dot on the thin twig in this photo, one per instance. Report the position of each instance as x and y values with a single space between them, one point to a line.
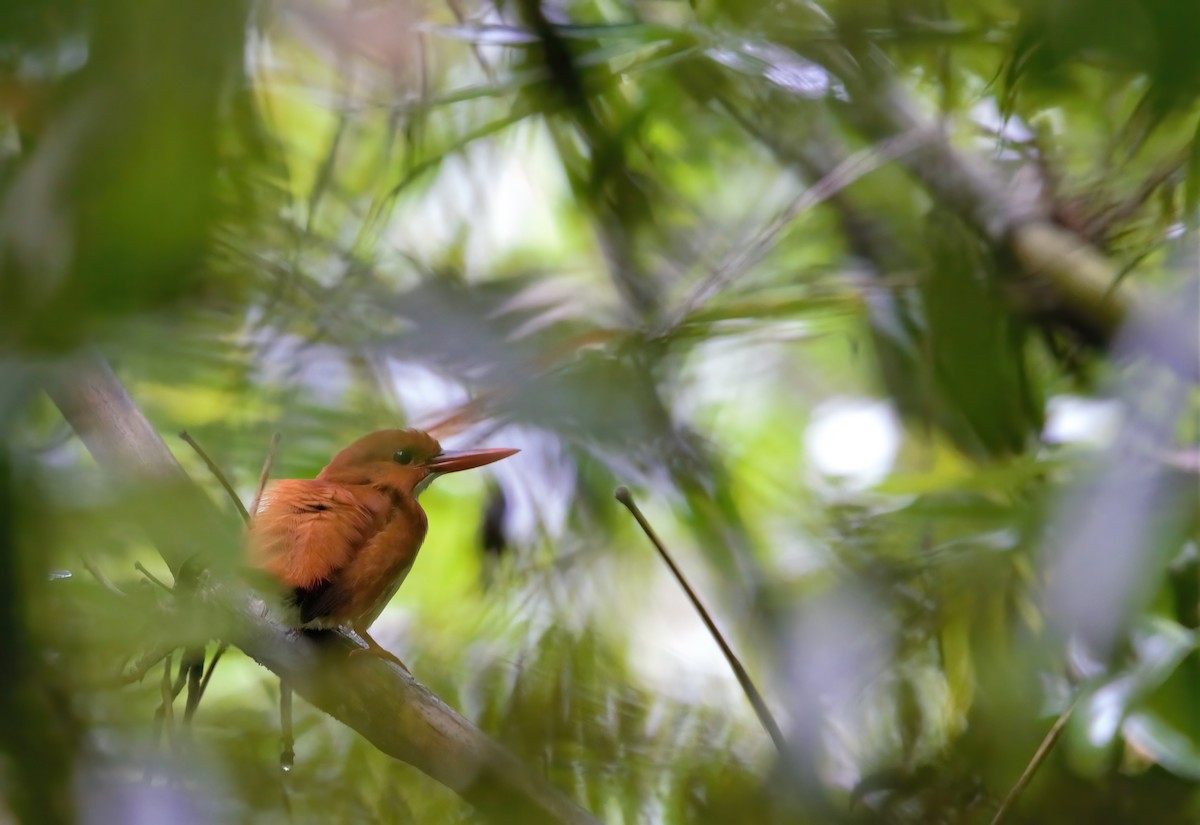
141 568
220 651
193 660
1039 756
266 472
756 700
100 577
849 171
197 684
142 666
217 474
287 750
198 676
287 753
165 717
456 10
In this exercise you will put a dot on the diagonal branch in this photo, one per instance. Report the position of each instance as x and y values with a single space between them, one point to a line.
1060 274
1057 275
393 711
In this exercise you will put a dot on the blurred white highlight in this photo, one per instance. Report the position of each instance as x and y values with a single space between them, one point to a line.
853 441
1071 419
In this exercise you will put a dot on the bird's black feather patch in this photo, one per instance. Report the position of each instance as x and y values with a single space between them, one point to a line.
317 601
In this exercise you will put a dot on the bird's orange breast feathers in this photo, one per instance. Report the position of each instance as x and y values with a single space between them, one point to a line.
306 531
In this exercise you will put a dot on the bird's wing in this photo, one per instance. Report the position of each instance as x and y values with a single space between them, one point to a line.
306 531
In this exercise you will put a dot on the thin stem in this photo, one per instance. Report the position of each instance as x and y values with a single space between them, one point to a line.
198 676
193 659
100 577
1039 756
142 666
456 10
196 689
165 717
217 474
266 473
287 753
220 651
741 259
287 750
141 568
768 722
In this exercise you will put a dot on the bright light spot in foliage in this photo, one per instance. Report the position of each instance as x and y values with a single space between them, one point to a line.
1074 420
853 441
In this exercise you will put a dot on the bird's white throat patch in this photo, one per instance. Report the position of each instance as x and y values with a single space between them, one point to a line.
424 483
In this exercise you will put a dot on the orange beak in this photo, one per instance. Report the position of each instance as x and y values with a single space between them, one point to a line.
452 462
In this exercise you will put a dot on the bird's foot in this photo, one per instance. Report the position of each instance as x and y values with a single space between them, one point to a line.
375 649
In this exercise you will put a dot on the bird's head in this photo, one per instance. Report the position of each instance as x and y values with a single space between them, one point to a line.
407 460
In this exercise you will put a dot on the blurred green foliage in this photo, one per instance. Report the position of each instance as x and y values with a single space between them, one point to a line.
648 243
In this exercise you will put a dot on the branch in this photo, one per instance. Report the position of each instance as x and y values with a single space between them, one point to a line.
117 434
770 726
221 478
398 715
1060 276
1039 756
1061 273
265 475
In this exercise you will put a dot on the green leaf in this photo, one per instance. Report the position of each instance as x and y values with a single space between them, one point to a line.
1160 645
1153 736
977 344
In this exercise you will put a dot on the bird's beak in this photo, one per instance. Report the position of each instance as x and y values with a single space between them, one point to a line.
452 462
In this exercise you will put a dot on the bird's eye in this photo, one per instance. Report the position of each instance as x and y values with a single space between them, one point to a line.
403 456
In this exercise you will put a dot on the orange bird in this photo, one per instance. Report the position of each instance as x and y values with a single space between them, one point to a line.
342 543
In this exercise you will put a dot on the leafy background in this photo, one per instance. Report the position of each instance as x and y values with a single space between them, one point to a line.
692 248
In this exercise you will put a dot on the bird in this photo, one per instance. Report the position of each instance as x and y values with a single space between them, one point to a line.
340 545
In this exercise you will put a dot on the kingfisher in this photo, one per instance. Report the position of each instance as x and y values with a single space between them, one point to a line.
342 544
